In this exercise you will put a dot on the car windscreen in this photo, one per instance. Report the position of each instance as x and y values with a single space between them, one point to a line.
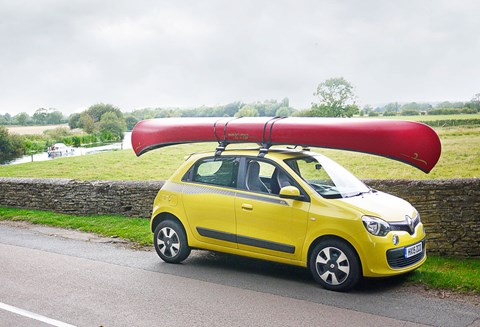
327 177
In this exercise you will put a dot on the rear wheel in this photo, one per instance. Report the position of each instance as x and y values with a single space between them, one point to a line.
334 265
171 242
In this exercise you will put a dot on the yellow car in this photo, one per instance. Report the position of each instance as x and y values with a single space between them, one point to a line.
289 206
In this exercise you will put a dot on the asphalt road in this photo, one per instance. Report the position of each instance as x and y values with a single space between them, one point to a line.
48 280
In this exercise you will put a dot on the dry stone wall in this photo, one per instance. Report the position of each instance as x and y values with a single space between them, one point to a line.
128 198
450 209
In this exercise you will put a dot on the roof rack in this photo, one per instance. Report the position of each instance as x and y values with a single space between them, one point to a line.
264 145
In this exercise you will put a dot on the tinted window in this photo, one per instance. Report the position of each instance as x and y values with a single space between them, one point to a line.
216 171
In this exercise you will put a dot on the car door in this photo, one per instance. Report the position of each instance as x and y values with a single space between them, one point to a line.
209 198
266 223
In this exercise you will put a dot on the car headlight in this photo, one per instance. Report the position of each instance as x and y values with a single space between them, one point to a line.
376 226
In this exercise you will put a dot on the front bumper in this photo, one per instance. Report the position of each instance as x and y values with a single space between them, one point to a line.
397 260
382 258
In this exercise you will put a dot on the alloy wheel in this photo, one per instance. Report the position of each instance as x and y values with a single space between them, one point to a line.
332 266
168 242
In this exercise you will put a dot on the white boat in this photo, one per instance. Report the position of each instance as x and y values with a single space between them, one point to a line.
59 150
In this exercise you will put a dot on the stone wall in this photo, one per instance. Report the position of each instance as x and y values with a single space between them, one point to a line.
450 209
127 198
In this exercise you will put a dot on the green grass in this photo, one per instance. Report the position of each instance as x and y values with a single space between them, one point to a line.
431 117
136 230
460 159
454 274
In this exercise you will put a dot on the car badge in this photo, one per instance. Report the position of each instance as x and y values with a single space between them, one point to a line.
410 223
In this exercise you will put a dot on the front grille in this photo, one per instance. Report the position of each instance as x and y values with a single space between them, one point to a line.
396 257
403 226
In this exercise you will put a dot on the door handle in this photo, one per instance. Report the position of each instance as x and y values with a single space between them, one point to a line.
246 206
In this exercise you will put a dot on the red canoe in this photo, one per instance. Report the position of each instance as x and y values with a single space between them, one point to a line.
410 142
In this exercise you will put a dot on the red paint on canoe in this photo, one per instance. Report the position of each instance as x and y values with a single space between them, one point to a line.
410 142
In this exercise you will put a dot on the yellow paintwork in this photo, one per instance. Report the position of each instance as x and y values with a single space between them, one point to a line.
296 223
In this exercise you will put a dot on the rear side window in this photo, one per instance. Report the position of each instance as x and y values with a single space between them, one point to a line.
216 171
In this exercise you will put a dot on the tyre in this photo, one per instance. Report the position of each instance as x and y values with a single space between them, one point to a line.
335 265
170 241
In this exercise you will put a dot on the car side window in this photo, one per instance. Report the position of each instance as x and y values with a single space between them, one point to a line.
216 171
262 176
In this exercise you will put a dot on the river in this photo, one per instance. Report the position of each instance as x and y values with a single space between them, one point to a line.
80 151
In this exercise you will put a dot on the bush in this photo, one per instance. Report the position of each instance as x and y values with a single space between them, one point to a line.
410 112
389 113
453 122
11 146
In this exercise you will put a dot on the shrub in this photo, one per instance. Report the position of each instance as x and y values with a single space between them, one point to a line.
410 112
389 113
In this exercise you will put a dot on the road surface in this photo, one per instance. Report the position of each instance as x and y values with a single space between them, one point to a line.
48 280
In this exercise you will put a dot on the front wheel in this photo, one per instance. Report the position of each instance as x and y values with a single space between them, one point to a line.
171 242
335 265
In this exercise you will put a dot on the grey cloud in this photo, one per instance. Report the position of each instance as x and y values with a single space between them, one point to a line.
71 54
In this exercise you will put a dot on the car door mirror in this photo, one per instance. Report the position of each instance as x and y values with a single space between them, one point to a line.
291 192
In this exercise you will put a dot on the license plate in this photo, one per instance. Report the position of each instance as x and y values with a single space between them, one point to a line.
410 251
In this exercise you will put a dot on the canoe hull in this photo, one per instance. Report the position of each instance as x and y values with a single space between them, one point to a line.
410 142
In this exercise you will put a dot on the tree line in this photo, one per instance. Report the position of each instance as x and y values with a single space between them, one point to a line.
335 97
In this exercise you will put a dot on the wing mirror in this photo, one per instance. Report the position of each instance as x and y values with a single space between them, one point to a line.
291 192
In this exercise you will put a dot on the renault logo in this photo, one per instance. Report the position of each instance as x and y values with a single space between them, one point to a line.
410 223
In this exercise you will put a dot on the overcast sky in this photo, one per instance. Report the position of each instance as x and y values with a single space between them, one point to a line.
69 54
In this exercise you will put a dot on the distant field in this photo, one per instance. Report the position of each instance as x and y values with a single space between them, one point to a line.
460 159
32 130
433 117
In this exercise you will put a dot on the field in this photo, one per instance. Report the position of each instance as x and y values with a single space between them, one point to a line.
32 130
460 159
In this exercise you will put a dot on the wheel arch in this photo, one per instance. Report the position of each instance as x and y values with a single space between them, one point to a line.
337 238
165 216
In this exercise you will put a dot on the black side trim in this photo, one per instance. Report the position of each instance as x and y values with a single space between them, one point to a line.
245 240
217 235
265 244
262 198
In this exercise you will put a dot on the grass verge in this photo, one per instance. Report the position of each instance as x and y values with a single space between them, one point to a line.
453 274
136 230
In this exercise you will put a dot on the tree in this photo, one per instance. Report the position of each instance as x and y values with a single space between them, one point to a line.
112 126
87 123
392 107
247 111
74 120
416 106
54 117
283 112
11 146
474 103
23 119
40 116
96 111
336 99
90 119
130 121
366 109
